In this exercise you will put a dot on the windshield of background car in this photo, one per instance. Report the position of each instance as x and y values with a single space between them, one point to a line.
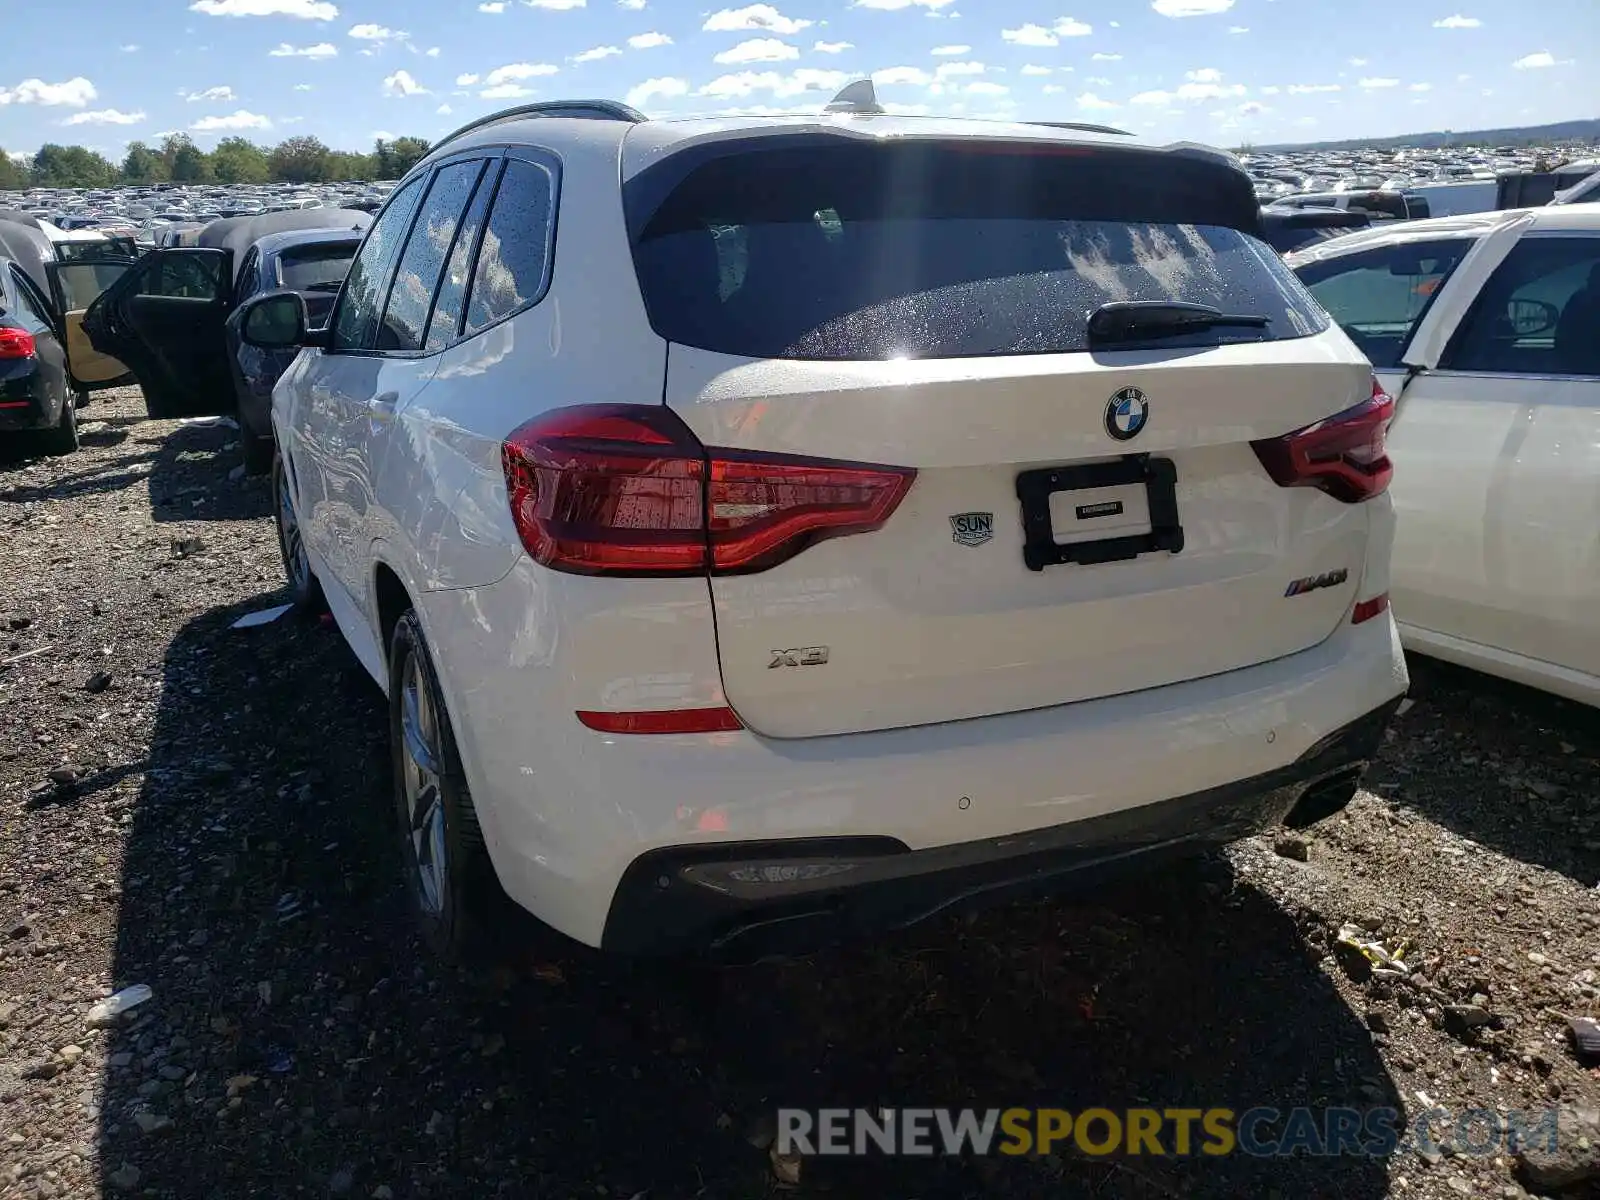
315 268
950 249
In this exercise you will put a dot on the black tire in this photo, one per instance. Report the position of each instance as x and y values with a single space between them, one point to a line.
453 918
62 438
257 453
305 590
81 399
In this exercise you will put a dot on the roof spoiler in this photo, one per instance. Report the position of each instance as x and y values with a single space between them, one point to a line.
584 110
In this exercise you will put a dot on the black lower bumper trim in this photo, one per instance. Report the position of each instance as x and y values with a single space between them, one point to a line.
794 895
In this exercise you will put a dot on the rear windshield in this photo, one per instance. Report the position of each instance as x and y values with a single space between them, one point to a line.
949 250
315 268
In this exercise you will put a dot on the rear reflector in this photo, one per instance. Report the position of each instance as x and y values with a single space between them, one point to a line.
16 343
677 720
618 489
1367 609
1345 455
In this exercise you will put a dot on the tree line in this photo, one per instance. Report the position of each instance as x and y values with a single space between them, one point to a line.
235 160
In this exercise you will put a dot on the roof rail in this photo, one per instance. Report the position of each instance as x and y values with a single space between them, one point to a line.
1084 127
588 110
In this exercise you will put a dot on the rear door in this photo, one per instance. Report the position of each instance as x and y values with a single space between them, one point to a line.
1085 521
82 273
165 318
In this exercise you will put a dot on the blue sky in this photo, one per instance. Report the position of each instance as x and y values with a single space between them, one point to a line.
103 72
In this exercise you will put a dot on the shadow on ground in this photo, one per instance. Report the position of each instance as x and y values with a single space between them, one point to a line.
1524 773
300 1044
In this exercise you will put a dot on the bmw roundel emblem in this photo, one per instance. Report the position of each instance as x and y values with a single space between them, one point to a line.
1127 413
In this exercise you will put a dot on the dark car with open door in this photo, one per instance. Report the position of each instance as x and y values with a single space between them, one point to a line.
72 274
36 396
168 317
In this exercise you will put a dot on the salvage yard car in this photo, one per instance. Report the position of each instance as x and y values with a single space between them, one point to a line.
168 318
734 584
47 365
1486 329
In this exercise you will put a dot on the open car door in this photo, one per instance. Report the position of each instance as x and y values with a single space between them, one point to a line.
81 272
164 318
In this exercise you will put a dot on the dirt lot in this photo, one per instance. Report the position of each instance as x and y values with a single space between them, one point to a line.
201 810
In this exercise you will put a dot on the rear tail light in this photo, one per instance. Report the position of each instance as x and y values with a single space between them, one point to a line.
1345 455
16 343
613 489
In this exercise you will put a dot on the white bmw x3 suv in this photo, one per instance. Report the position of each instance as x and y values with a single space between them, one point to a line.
772 528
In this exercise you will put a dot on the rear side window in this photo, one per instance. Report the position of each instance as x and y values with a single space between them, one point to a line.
943 250
1379 296
516 246
453 283
1539 313
424 255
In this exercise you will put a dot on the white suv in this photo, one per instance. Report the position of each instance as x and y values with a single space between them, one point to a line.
771 527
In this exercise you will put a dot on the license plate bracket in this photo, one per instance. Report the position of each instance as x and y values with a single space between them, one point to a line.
1160 479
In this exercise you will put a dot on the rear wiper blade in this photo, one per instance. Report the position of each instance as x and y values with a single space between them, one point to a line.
1130 320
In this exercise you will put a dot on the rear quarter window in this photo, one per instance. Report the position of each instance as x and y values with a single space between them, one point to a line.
943 250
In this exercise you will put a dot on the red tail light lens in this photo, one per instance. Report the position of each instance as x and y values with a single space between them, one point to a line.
1367 609
677 720
1345 455
16 343
629 490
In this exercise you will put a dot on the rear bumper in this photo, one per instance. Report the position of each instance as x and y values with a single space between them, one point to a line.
795 894
24 400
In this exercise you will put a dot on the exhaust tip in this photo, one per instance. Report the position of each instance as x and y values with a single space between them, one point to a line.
1323 798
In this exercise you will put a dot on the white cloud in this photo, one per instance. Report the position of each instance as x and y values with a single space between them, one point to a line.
506 91
320 50
1096 80
631 5
1238 29
104 116
761 17
985 88
666 87
1536 61
1252 108
72 93
1204 84
1052 89
955 70
376 33
1374 83
950 51
1204 75
1035 69
1270 90
402 84
595 54
897 5
1359 62
1101 56
833 47
757 50
1191 8
512 72
238 120
492 6
444 110
432 52
467 80
1421 87
1067 27
649 41
796 83
1089 102
303 87
558 5
892 76
130 48
1030 35
1457 22
1313 89
306 10
213 93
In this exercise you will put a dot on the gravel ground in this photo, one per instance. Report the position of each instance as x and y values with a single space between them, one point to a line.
201 810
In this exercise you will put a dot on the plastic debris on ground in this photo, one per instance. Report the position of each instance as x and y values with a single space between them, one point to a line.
264 617
208 423
110 1009
1585 1038
1384 958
